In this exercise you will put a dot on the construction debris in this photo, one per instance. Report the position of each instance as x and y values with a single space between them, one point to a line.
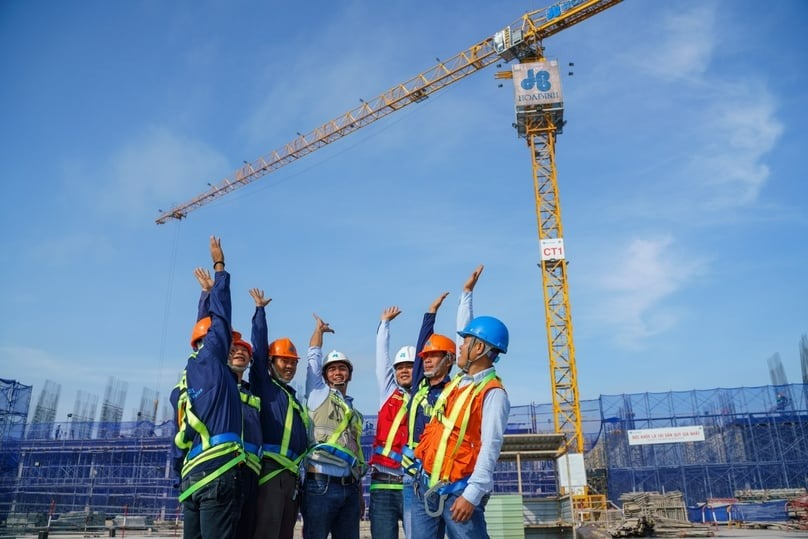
663 515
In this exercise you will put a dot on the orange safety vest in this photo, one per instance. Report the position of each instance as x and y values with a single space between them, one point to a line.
391 430
452 439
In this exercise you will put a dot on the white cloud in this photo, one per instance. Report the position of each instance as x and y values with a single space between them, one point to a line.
721 126
739 128
687 47
648 272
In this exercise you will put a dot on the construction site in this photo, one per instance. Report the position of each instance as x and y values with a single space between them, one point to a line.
750 459
676 463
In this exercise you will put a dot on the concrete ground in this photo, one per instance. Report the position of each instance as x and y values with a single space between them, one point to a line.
365 534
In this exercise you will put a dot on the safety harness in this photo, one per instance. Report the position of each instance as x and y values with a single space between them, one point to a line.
253 451
418 402
281 453
438 482
212 447
330 446
387 449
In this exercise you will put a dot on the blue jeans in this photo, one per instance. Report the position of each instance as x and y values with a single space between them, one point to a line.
386 509
212 512
329 507
428 527
407 499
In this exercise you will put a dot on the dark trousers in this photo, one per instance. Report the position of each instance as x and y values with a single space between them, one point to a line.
278 505
386 509
249 490
212 511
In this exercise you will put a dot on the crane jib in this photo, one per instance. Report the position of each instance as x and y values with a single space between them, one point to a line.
558 9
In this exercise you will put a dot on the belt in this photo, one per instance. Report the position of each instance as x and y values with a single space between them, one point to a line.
381 477
349 480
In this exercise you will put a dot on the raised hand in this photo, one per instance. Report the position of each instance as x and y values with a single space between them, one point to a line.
472 280
436 304
321 327
203 276
216 253
258 296
390 312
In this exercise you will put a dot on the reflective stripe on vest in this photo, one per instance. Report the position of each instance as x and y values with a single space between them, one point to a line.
387 449
418 401
330 445
210 448
463 403
281 453
254 451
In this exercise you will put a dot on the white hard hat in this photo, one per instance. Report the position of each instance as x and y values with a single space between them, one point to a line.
337 357
406 354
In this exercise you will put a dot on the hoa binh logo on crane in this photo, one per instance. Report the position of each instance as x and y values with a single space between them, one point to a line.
537 83
562 7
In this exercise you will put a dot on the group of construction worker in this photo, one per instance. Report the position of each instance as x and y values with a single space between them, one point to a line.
251 454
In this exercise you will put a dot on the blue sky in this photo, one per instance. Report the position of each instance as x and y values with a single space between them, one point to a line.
681 171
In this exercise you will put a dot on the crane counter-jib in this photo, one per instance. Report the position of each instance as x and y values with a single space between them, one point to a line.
505 45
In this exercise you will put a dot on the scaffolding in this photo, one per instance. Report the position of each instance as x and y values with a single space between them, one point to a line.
755 438
15 399
45 412
752 440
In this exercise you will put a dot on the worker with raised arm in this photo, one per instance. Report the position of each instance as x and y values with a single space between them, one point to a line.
332 493
241 356
208 411
430 374
394 376
460 446
285 426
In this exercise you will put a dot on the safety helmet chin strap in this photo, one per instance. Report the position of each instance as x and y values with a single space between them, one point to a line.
447 358
486 351
275 372
233 368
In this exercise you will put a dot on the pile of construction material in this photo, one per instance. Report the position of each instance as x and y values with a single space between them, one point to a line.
663 515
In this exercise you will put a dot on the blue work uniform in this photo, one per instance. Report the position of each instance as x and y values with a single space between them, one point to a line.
209 416
285 441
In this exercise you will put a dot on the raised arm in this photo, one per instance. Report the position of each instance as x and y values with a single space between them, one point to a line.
314 374
206 282
385 375
259 376
219 336
427 329
465 310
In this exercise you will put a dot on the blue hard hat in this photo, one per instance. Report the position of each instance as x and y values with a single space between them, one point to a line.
489 330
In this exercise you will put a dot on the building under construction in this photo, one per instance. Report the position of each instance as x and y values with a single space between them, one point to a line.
750 439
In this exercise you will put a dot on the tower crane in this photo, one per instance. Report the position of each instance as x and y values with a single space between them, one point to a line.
537 121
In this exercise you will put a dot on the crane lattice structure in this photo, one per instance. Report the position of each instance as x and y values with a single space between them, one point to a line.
522 41
533 26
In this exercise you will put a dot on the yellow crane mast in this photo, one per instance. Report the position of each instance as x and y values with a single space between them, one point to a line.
539 119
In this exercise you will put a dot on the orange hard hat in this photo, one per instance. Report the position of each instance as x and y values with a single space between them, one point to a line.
238 341
283 347
438 343
200 330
